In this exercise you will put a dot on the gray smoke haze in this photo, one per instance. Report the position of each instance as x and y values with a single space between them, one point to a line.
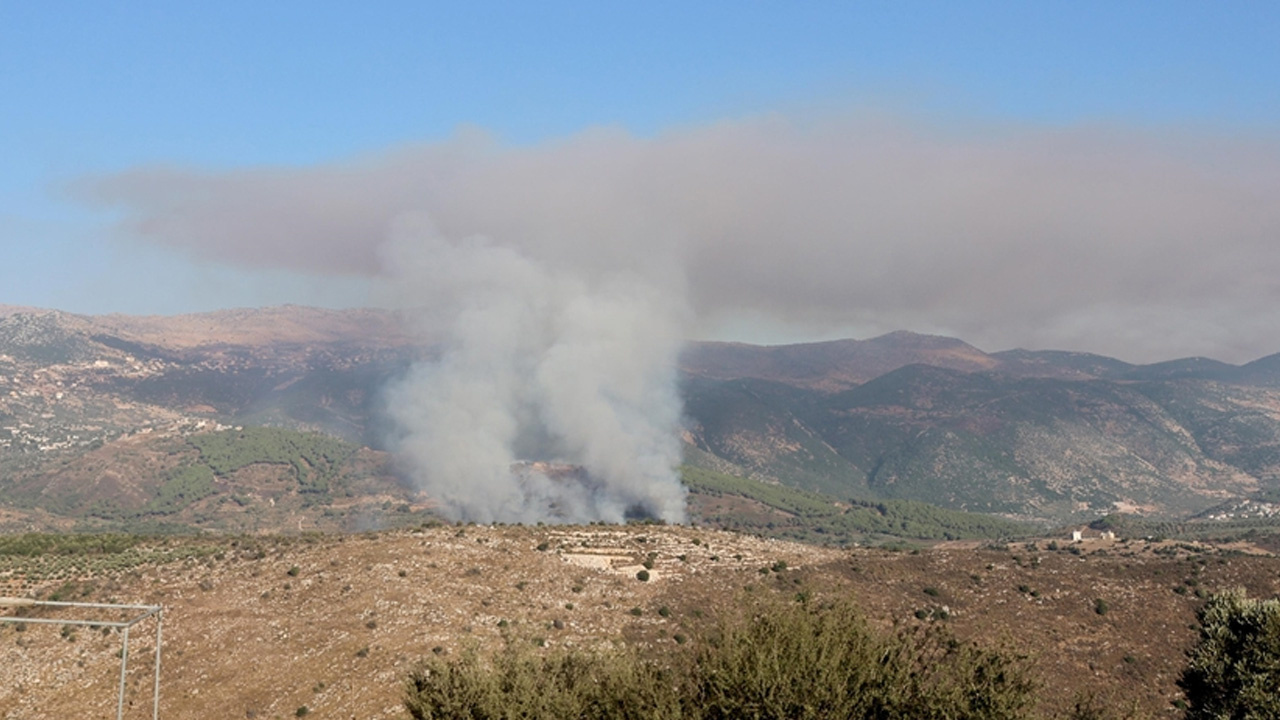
538 364
561 278
1136 243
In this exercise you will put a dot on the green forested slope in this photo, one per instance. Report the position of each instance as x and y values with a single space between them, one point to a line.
782 511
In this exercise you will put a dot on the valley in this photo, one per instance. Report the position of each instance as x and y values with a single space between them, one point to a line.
109 404
234 469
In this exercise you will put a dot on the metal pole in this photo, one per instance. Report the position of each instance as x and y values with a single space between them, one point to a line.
124 664
155 703
147 611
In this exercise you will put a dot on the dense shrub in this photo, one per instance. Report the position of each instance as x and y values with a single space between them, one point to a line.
315 458
779 661
182 487
803 662
35 544
1234 669
519 683
818 518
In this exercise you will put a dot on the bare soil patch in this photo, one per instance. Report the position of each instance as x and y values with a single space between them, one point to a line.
259 627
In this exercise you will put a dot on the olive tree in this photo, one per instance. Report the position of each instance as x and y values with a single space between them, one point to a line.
1234 670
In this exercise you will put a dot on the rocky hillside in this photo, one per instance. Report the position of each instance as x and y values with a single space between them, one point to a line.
69 381
1056 436
1050 436
832 366
261 627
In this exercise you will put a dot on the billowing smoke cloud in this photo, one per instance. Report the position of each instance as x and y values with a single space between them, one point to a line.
560 278
1145 245
539 364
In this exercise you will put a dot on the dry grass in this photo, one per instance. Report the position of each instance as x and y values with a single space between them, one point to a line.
245 638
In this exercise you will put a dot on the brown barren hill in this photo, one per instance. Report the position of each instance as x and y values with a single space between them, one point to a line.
260 627
831 366
284 324
7 310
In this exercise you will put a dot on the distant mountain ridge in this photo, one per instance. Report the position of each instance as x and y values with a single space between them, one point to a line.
247 327
842 364
833 365
1034 434
1042 435
827 365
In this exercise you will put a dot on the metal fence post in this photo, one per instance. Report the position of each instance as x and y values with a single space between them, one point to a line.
145 611
155 703
124 664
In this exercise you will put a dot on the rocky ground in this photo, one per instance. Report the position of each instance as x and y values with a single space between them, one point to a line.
260 627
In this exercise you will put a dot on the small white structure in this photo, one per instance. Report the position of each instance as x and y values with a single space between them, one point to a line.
1089 534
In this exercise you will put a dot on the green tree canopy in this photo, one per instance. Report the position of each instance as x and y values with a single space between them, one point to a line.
1234 670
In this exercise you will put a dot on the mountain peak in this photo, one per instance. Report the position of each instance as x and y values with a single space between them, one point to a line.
835 364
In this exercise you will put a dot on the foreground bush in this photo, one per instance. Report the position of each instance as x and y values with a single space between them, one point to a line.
793 662
801 662
1234 670
522 684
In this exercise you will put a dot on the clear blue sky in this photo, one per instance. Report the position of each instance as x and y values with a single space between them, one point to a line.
88 88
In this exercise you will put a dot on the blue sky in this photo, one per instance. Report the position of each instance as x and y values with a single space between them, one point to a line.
90 89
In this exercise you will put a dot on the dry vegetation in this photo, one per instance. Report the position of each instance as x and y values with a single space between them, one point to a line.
259 627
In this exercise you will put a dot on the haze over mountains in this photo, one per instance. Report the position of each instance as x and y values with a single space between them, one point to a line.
1049 434
842 364
1042 435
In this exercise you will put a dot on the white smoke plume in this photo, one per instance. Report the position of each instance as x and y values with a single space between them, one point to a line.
560 331
538 364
